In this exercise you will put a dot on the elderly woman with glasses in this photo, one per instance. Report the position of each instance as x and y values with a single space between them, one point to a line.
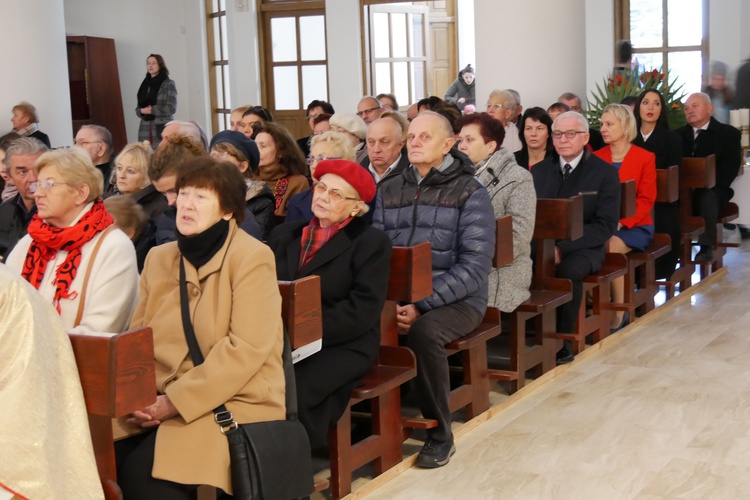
501 105
326 146
72 255
353 261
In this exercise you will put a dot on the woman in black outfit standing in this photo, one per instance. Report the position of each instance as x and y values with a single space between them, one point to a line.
157 100
654 136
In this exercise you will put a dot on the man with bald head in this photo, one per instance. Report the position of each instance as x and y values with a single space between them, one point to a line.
702 136
385 149
369 109
186 129
437 199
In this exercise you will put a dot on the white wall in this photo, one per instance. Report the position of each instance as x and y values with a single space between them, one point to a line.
35 66
344 43
729 32
173 28
537 47
244 62
466 34
600 34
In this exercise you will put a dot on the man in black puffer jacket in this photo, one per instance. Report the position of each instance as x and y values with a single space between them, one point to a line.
437 199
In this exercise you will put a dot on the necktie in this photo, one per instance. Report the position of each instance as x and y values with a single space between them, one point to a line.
566 171
695 141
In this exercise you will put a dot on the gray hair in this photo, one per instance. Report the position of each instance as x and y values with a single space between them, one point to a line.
508 101
103 135
582 121
375 100
24 146
705 96
569 96
515 95
192 130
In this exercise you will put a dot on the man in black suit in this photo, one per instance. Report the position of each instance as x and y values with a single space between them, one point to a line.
703 136
577 171
386 153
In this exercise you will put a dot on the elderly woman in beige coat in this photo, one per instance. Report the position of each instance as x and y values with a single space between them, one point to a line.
511 190
241 340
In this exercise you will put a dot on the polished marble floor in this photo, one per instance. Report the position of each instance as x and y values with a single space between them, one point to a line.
659 411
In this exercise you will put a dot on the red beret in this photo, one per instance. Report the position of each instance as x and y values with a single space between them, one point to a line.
353 173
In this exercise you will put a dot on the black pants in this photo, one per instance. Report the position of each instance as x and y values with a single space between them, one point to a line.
573 267
135 459
667 221
427 338
709 204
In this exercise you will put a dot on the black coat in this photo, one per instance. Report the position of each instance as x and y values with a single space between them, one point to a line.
720 140
599 183
152 201
666 146
13 223
353 267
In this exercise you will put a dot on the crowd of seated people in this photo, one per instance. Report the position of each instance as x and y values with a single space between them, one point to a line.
193 214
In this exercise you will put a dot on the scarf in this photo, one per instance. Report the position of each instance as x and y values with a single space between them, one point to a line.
279 191
48 240
199 248
314 237
149 90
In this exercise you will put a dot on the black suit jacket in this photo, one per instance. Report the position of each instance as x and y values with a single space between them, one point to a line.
353 267
666 146
599 183
720 140
403 162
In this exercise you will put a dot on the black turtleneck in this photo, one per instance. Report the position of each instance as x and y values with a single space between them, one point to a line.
199 248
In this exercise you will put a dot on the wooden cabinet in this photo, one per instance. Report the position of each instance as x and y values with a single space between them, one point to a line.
95 86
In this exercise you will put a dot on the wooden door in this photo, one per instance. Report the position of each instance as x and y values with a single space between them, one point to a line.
443 46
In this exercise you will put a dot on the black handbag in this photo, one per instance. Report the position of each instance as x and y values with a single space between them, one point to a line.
270 460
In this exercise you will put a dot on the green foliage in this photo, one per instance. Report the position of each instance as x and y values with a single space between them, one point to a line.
625 83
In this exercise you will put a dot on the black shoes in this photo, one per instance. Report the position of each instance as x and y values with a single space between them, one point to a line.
705 254
435 454
623 323
564 356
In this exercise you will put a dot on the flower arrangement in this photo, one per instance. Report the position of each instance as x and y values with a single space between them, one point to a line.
626 82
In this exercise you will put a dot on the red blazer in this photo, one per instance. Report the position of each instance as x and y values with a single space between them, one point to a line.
639 165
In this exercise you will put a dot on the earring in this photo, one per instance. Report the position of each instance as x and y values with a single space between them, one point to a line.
354 212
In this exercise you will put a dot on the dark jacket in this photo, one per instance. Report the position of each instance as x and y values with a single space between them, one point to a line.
13 223
152 201
261 202
742 95
665 144
299 208
452 211
459 89
38 134
353 267
720 140
522 157
108 186
599 183
403 162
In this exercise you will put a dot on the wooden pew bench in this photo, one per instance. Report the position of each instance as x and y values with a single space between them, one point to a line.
410 281
556 219
117 376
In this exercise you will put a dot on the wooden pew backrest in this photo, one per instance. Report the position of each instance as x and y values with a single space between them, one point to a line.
411 273
698 172
627 199
559 219
301 310
117 372
668 184
503 242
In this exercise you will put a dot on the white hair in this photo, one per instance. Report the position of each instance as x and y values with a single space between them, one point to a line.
582 121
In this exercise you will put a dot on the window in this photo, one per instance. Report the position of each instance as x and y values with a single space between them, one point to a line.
218 67
397 55
667 34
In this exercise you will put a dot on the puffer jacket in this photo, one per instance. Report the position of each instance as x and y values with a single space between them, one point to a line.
459 89
452 211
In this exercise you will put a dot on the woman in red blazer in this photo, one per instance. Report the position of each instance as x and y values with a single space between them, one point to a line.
634 163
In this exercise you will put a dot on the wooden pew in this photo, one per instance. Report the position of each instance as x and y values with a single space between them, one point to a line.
474 392
696 173
410 281
641 286
118 378
556 219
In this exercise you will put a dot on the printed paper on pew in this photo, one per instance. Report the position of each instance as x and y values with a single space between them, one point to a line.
91 334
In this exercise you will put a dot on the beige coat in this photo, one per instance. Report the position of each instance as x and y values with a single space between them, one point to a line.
236 312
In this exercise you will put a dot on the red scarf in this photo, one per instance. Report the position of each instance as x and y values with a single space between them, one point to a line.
48 240
280 191
314 237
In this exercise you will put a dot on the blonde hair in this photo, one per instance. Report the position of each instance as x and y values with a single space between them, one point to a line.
625 116
140 155
339 141
75 168
27 109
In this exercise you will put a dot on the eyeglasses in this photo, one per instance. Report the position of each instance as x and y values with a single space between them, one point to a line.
83 143
48 184
313 116
570 134
494 106
314 159
334 194
366 111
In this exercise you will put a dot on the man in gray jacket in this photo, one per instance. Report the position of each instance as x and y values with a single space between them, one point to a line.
437 199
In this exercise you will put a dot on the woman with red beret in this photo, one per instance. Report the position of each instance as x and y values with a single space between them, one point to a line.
353 262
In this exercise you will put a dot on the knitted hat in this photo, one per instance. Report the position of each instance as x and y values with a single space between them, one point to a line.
353 173
351 123
244 145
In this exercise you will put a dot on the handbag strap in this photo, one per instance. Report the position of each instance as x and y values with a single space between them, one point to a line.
79 314
222 416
